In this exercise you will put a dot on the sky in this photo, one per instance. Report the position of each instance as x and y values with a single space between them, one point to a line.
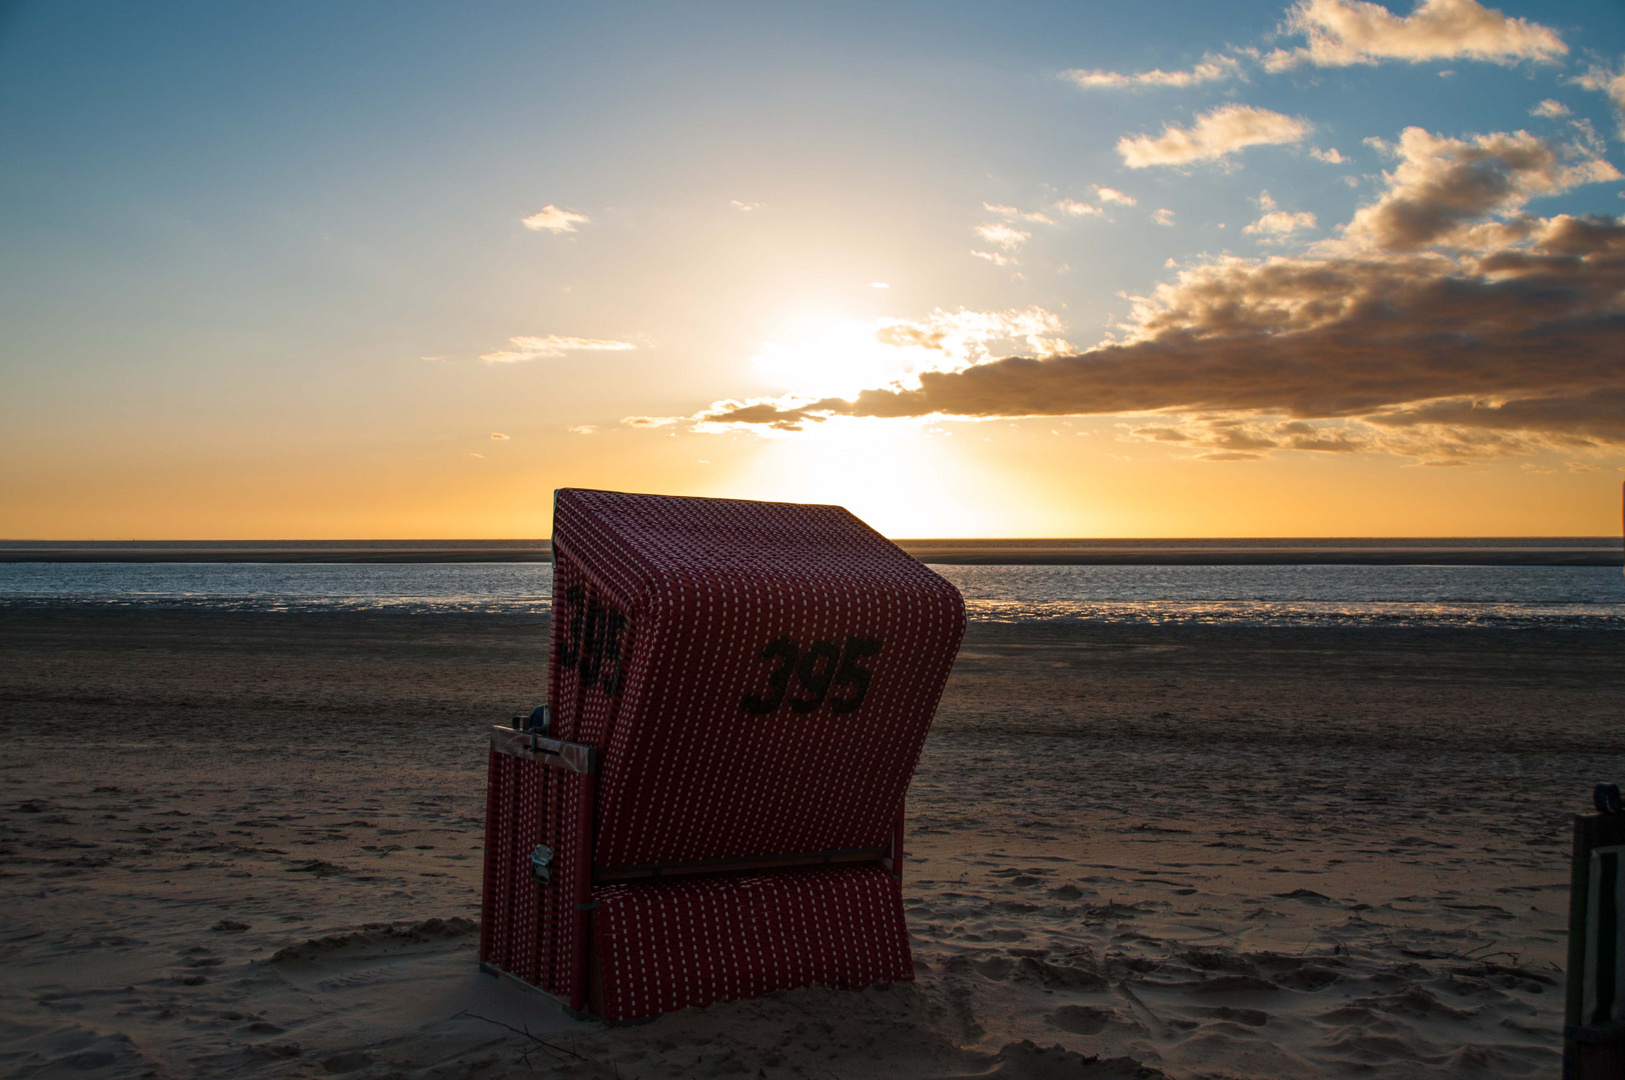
314 270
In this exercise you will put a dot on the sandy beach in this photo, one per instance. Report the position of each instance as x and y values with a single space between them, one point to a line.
250 844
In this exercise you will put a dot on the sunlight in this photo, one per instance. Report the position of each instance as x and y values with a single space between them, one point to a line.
826 354
902 477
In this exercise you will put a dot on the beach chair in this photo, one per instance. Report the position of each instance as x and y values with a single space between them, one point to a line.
739 693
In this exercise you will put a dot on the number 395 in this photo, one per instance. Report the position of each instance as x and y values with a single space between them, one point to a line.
825 672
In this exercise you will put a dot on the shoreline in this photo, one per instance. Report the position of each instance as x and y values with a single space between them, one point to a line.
1352 551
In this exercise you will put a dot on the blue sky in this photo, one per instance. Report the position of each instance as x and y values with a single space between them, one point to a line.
264 265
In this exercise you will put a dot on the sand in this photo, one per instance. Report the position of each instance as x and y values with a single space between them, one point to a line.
242 844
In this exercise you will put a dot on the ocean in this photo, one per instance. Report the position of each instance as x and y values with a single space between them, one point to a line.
1280 594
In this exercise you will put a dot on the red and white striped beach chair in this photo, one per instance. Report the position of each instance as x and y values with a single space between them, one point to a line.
740 692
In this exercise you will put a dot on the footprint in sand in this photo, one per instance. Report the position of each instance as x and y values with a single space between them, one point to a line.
1081 1019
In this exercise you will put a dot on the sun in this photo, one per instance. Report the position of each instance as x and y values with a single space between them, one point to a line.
831 354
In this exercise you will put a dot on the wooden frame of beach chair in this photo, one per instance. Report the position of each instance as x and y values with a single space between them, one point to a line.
1594 1006
740 692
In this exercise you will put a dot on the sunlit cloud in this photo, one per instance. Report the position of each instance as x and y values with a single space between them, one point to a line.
879 285
1345 32
551 218
1551 108
499 436
1112 195
1281 223
1013 212
745 207
1444 189
649 421
1074 208
1607 81
583 429
1443 324
1005 236
821 358
1210 69
553 345
995 258
1162 216
1330 157
1215 135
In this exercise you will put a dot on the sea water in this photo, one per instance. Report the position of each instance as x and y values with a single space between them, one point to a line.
1322 595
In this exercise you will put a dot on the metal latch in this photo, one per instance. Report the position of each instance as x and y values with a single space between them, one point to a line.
541 864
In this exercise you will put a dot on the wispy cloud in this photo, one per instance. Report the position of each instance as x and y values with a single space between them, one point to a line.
649 421
583 429
1608 81
1005 236
1551 108
1330 157
1211 68
995 258
1345 32
499 436
1112 195
1162 216
1013 212
1215 134
745 207
1074 208
553 345
879 284
553 219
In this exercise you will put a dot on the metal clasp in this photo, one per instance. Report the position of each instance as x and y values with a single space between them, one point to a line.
541 864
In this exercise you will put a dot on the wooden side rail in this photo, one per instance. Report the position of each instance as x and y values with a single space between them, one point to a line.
556 753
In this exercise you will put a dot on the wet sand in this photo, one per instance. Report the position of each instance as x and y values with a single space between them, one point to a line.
249 844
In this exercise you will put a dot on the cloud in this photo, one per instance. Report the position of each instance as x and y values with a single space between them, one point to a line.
746 207
1281 223
649 421
1215 134
536 348
1330 157
1074 208
995 258
1162 216
551 218
1433 328
473 454
1550 108
879 285
1004 236
1210 69
1608 81
1605 80
583 429
1444 188
499 436
1345 32
1013 212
